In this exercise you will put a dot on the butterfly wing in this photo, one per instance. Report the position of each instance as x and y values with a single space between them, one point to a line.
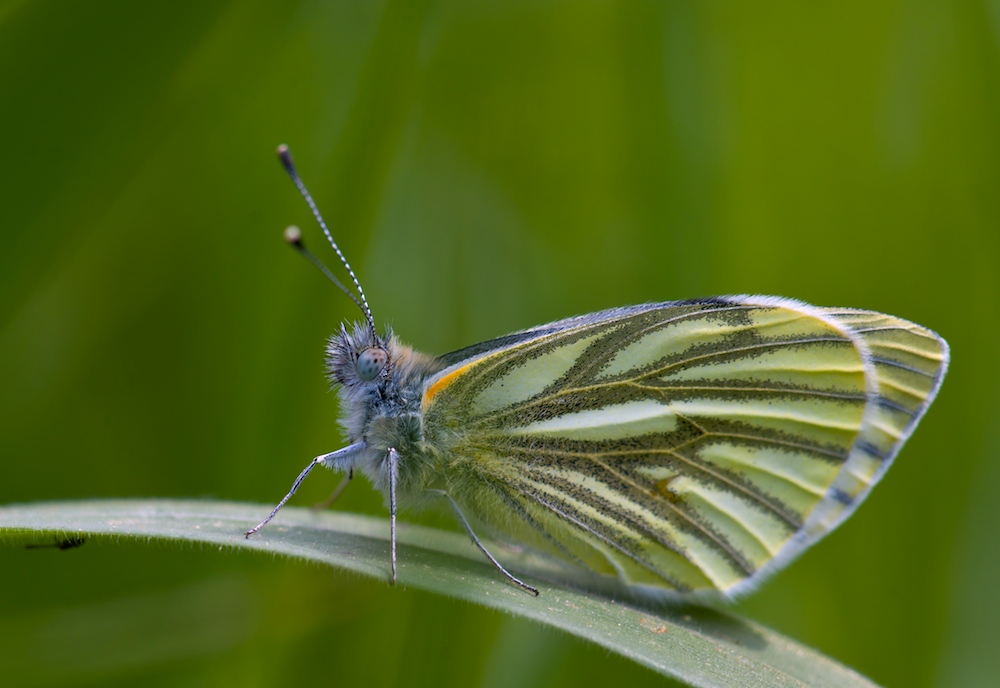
685 446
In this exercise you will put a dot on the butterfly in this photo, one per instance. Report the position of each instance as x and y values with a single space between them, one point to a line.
681 448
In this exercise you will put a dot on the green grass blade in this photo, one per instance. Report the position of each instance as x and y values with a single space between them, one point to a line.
697 645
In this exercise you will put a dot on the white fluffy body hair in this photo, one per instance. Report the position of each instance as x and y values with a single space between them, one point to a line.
356 394
394 393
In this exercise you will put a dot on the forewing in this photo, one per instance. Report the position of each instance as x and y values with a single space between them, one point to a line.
682 446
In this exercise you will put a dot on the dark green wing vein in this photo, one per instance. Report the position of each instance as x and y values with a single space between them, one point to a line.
534 528
621 549
624 332
681 446
639 463
660 454
585 547
601 487
677 374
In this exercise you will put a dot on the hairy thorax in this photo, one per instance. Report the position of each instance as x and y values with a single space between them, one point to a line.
384 412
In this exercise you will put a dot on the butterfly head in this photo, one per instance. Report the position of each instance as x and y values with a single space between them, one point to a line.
358 358
379 382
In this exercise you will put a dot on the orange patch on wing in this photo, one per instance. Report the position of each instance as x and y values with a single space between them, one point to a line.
433 390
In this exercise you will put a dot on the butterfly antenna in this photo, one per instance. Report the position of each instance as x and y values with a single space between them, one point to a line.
286 160
293 235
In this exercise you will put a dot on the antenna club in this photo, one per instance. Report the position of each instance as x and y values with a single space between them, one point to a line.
293 235
285 156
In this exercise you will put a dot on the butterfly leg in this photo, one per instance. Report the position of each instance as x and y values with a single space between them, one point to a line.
338 460
328 502
482 548
392 461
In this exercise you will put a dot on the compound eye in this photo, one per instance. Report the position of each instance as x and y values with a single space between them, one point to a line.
371 362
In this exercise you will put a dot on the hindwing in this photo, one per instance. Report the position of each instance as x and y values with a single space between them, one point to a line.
682 446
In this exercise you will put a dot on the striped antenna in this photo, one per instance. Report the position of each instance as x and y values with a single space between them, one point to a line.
286 160
293 235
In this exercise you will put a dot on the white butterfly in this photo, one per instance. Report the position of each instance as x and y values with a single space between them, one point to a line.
685 448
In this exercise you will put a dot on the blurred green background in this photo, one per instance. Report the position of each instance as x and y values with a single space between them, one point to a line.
487 166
